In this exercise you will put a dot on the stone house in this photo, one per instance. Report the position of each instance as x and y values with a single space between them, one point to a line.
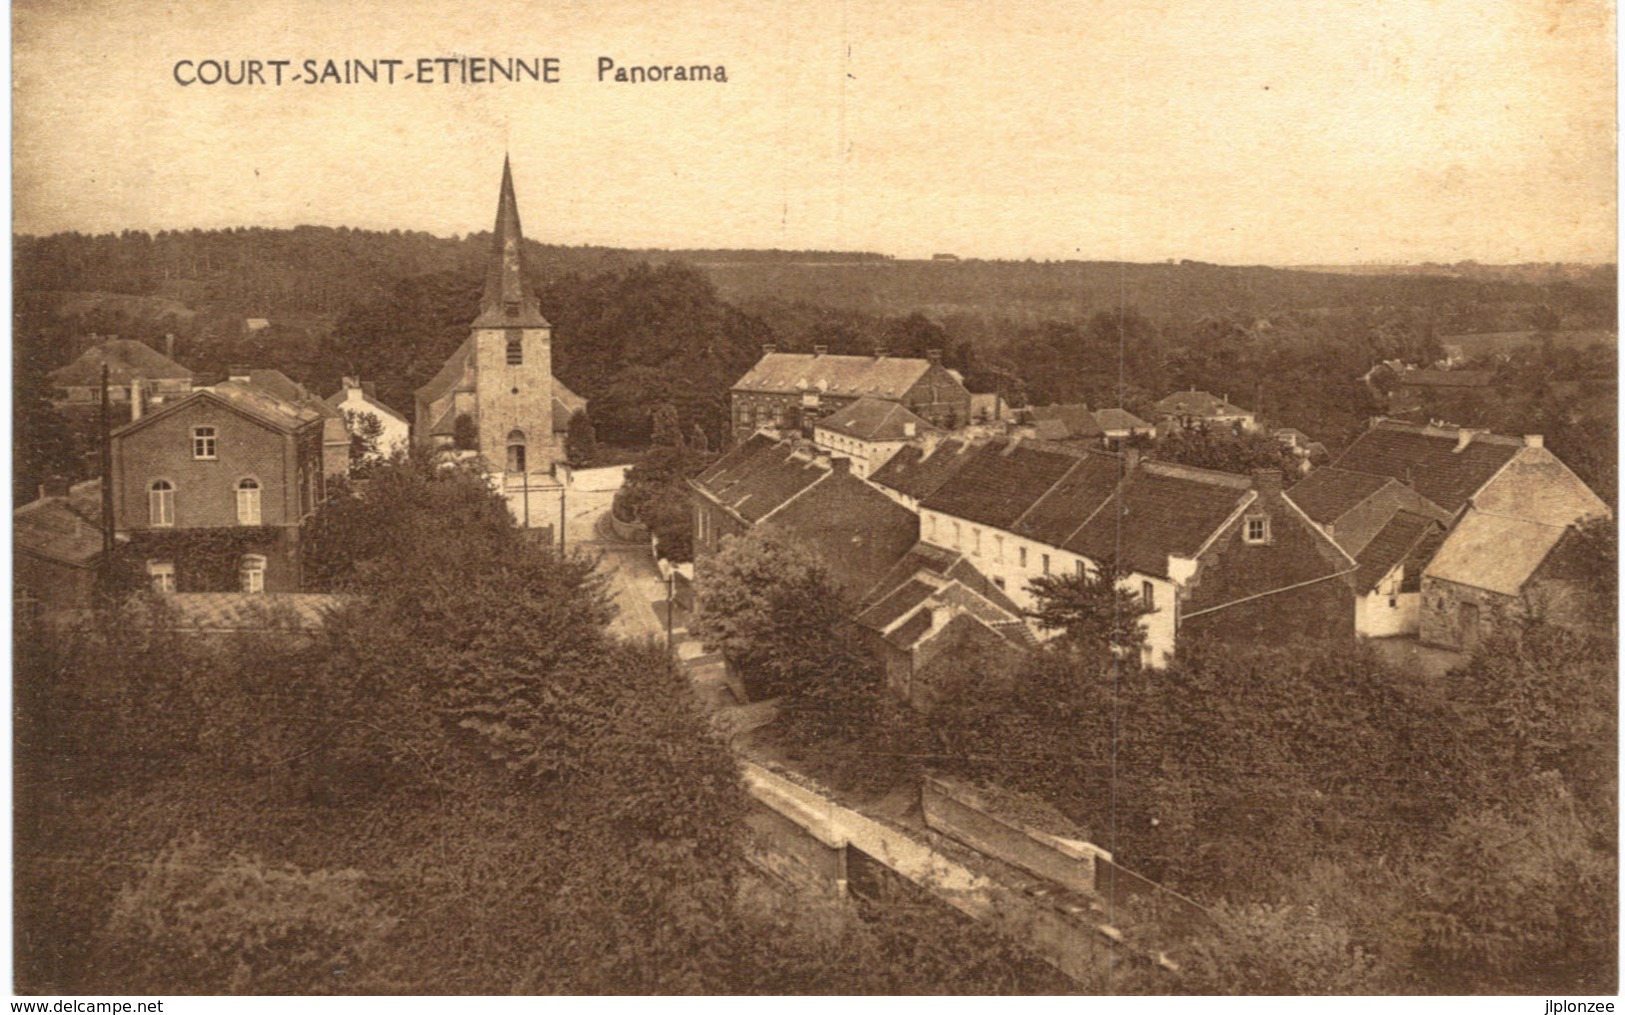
57 549
857 531
135 373
210 491
790 392
869 432
335 435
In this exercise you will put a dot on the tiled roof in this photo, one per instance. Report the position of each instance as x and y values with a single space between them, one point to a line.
1161 510
286 388
999 482
755 480
787 373
1446 378
126 360
257 404
1119 419
1198 403
451 376
1389 546
1330 493
1420 556
1538 487
1076 420
870 419
566 403
896 604
1426 458
505 283
949 565
61 528
911 630
1494 552
919 472
1085 488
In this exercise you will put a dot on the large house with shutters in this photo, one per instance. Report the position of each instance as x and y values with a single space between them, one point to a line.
209 491
790 393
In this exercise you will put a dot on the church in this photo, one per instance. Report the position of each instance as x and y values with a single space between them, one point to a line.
497 395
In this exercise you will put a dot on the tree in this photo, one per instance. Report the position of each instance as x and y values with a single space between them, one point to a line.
1098 616
581 440
665 432
1225 450
366 429
698 440
772 610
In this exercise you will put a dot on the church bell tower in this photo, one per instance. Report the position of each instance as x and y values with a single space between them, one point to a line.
513 354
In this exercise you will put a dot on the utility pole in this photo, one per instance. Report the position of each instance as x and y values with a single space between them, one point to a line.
671 579
107 488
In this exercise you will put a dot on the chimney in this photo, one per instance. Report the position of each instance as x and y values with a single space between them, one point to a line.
769 349
135 399
1464 437
880 352
169 345
909 428
1267 480
820 350
934 357
1534 440
240 374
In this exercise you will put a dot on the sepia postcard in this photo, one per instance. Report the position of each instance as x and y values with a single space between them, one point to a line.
814 498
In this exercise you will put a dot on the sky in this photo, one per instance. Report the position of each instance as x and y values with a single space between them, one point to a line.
1281 132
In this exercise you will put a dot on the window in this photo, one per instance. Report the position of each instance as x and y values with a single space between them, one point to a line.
516 349
956 535
203 442
516 451
747 416
1022 553
1148 595
976 542
931 526
252 573
1258 530
161 504
1082 571
998 548
1046 563
161 573
248 502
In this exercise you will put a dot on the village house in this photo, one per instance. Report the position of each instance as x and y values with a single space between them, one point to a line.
856 530
868 431
1447 494
1412 387
1228 555
1118 425
497 392
357 399
210 490
1310 452
1064 424
135 373
335 435
1198 410
790 392
57 544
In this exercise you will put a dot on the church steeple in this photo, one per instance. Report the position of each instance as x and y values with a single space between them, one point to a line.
508 301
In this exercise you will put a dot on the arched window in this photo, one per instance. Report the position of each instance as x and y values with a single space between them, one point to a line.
516 451
161 504
248 502
252 573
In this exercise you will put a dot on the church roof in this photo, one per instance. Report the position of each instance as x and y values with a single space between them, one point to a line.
507 301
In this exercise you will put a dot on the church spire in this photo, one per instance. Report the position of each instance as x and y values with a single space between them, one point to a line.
507 301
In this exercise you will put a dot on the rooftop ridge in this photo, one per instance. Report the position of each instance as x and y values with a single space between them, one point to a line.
1175 470
1448 433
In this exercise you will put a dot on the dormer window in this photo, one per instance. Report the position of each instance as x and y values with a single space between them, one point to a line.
1258 530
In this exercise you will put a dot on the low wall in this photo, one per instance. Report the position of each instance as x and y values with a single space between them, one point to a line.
609 477
630 532
959 813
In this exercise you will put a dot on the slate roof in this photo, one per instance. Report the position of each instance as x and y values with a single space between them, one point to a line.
566 403
1198 403
253 402
1119 419
1446 378
787 373
1427 458
760 476
1329 493
286 388
999 482
1393 544
1494 552
911 630
896 604
1076 421
948 564
918 472
1161 510
452 376
870 419
65 529
506 283
1063 509
126 360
